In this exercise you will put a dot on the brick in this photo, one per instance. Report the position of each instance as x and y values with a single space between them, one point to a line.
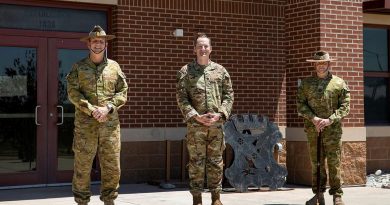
237 28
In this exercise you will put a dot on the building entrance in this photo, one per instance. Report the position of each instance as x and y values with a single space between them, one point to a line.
36 118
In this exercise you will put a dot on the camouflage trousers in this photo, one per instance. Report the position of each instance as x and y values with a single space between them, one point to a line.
103 139
205 147
331 151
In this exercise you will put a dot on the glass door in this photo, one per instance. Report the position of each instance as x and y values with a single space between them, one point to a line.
23 107
63 53
36 117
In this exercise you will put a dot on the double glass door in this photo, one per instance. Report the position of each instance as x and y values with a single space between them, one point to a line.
36 118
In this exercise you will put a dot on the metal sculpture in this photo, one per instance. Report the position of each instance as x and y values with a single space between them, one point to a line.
253 140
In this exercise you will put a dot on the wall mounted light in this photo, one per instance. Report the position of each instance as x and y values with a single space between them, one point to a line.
178 32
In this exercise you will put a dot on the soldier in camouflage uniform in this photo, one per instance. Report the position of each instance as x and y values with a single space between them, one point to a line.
323 100
205 98
97 87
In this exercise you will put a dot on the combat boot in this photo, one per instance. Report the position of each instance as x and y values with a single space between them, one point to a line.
109 202
196 198
215 198
337 200
313 201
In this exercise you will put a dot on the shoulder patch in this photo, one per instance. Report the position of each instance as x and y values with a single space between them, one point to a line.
182 72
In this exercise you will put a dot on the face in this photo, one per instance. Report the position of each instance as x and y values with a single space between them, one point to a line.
202 48
321 67
97 45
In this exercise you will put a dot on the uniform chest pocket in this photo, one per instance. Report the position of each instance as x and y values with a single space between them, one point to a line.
87 78
331 95
110 78
216 82
216 79
196 81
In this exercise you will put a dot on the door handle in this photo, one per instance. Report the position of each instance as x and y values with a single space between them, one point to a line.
36 115
62 115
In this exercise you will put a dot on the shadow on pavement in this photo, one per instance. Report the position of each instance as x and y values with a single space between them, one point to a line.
16 194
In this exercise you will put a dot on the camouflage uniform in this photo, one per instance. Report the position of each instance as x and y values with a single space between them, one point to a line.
202 89
89 86
324 98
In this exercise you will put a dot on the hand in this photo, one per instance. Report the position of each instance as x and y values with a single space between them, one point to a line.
100 113
103 119
321 123
208 119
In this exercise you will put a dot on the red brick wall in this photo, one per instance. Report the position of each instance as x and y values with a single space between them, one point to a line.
334 26
302 39
247 38
342 36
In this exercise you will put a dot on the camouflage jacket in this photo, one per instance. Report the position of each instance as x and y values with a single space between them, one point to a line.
89 86
202 89
324 98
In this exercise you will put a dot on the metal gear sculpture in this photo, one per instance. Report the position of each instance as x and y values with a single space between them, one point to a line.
253 140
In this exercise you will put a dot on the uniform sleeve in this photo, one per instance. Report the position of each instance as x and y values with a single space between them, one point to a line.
74 94
227 96
120 97
302 104
344 104
182 98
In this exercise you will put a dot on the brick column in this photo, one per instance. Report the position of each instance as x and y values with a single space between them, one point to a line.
334 26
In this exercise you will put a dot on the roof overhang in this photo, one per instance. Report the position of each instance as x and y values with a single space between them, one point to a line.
376 6
108 2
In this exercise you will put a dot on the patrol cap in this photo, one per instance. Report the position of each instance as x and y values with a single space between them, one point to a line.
97 32
321 56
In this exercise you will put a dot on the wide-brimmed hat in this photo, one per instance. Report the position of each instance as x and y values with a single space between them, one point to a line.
321 56
97 32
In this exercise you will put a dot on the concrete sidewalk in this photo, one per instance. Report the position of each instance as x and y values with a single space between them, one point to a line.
143 194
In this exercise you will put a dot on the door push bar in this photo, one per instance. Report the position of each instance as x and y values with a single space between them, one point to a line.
36 115
62 115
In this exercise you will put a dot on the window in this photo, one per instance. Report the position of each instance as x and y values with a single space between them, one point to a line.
376 75
50 19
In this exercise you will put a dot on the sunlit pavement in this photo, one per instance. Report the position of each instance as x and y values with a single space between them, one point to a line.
143 194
